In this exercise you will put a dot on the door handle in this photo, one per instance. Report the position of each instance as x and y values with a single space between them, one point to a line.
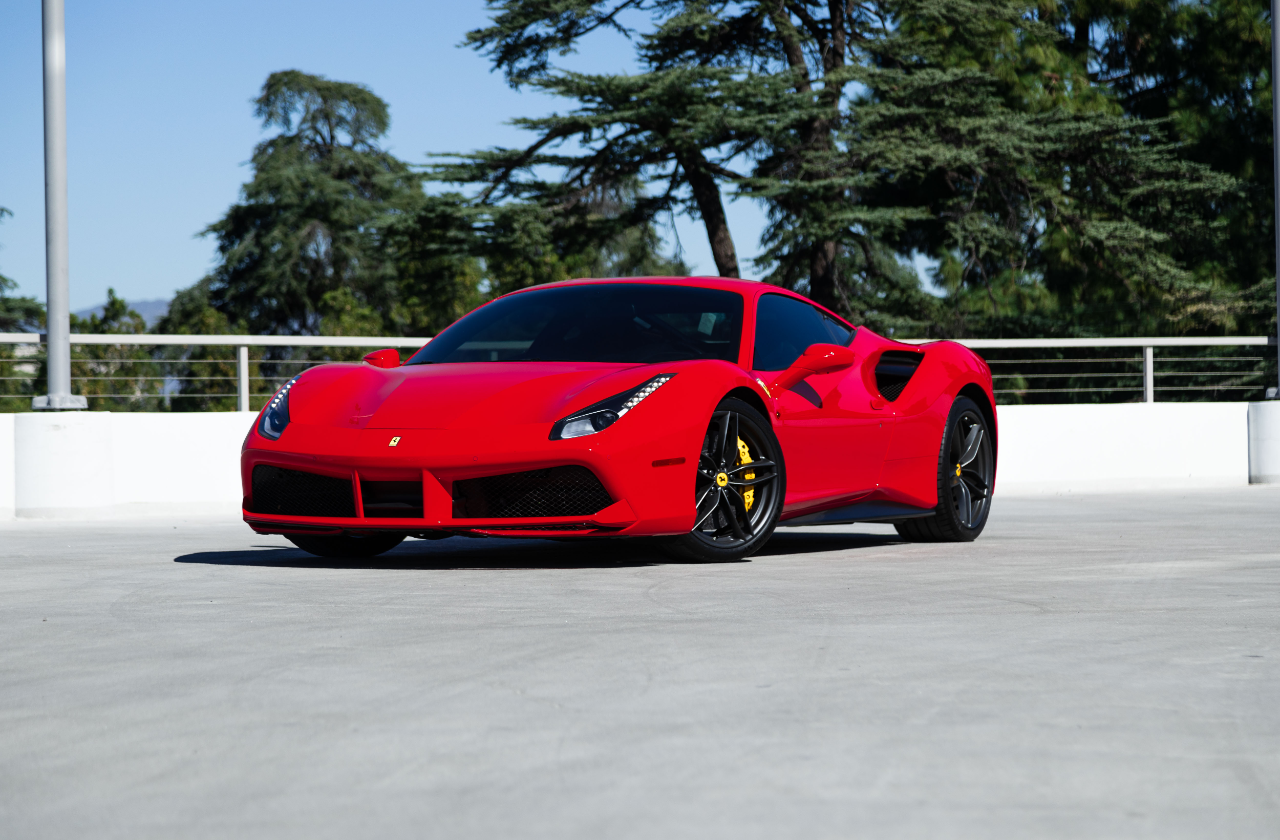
877 403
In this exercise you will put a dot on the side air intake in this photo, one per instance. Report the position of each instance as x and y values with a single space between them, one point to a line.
297 493
894 371
558 491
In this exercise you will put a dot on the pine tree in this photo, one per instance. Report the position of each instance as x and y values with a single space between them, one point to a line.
308 237
1049 213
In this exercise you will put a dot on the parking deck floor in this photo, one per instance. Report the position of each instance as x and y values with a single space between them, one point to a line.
1092 667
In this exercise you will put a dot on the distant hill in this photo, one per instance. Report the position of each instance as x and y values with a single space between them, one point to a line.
150 310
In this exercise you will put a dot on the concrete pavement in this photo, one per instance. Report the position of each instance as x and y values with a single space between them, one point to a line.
1092 667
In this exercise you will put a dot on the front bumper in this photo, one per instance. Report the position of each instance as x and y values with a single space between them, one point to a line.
648 500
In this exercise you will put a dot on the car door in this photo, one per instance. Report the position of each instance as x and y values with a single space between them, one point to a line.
832 430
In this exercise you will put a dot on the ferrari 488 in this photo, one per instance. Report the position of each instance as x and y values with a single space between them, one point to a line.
697 413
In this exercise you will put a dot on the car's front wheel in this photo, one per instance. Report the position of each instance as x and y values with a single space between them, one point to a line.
738 492
370 545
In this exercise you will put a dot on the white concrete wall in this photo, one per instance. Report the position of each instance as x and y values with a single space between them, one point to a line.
8 481
1117 448
1264 442
100 464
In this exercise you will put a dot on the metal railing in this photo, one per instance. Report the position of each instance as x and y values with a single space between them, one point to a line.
1041 370
243 377
1024 370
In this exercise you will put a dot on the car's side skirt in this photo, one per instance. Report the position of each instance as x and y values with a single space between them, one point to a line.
871 511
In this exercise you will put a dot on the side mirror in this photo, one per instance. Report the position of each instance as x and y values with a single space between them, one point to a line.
384 358
819 358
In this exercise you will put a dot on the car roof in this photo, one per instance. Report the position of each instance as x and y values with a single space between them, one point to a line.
746 287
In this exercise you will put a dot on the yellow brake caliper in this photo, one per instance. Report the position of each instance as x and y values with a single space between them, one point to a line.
744 457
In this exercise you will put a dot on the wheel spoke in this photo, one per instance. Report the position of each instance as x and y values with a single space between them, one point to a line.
751 482
965 502
716 449
734 505
711 489
729 445
703 517
972 442
975 483
754 465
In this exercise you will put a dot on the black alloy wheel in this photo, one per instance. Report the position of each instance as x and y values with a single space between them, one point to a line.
739 488
369 545
966 473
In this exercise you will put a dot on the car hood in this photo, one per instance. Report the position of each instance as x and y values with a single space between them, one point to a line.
471 395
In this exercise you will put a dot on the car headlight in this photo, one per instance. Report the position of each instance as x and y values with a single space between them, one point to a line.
602 415
276 415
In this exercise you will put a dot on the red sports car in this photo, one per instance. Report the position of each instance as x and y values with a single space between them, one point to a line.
699 413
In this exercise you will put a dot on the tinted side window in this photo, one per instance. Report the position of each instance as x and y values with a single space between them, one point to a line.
785 327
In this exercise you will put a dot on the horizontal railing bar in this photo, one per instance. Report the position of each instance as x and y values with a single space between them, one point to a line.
1126 375
1163 359
1123 359
146 340
1210 388
1061 390
1212 373
1136 390
1064 375
1009 343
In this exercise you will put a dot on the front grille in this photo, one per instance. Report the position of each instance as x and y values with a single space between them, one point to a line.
558 491
391 499
297 493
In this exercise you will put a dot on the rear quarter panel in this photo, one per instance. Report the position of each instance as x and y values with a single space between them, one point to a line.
920 416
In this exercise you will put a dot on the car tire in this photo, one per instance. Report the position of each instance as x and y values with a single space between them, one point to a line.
966 474
737 506
346 546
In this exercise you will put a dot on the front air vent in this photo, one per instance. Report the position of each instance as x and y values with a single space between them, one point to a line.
296 493
392 499
558 491
894 371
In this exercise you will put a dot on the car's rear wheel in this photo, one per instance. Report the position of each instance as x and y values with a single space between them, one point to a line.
966 473
370 545
740 485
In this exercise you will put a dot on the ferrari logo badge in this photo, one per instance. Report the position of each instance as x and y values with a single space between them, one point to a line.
722 480
395 441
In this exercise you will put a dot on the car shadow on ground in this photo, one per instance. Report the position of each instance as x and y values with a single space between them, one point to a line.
787 541
499 554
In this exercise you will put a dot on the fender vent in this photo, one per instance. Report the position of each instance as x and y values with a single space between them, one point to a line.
894 371
558 491
296 493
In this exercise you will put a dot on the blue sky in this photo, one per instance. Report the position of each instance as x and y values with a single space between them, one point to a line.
160 124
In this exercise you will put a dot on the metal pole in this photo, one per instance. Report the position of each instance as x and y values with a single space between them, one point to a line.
1149 374
1275 159
55 214
242 378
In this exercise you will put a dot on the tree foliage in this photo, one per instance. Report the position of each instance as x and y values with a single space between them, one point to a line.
1069 167
313 220
1055 160
334 235
17 314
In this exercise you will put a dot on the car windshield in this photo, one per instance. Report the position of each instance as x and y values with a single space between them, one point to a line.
605 322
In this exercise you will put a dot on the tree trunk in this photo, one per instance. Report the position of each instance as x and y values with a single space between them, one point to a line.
822 275
706 192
